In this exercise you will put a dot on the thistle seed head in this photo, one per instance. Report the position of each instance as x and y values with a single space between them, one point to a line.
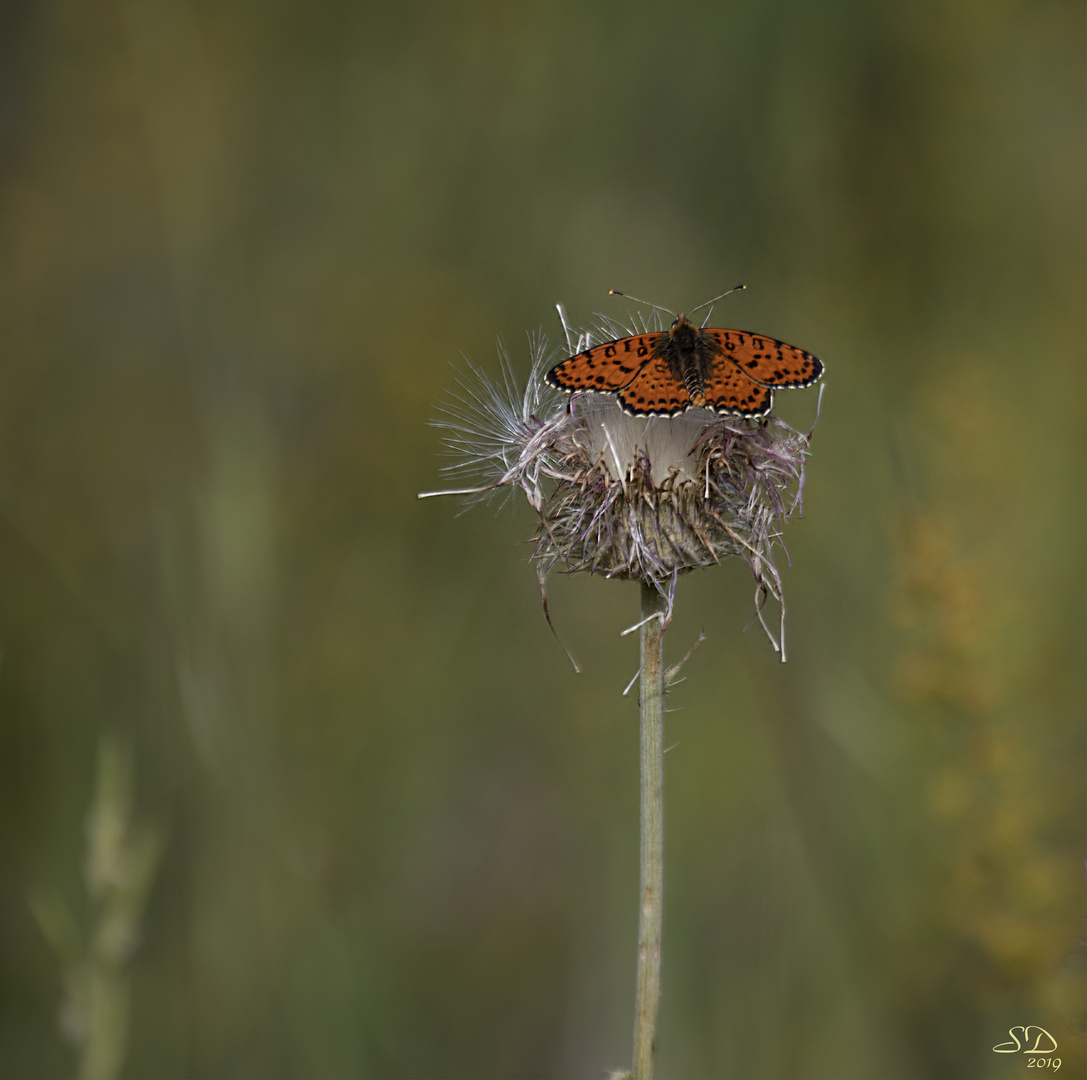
644 499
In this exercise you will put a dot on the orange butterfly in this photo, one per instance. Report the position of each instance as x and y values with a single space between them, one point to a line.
664 373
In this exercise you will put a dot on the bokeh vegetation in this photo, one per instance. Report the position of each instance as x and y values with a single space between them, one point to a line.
243 243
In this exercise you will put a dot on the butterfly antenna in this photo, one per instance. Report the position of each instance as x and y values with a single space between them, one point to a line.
735 288
627 296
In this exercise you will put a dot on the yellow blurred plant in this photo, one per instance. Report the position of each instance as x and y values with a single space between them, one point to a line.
122 857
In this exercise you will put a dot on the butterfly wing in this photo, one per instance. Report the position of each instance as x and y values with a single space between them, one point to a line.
730 392
766 360
654 391
605 368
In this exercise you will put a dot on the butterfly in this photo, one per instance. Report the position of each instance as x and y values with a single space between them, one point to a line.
667 372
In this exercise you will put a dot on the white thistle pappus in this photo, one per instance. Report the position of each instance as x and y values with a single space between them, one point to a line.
639 498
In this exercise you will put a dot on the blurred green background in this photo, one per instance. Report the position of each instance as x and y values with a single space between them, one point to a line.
242 244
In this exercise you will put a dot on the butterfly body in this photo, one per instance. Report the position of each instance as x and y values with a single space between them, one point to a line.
664 373
689 354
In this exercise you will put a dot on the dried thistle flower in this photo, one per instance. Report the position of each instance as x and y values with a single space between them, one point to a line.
631 497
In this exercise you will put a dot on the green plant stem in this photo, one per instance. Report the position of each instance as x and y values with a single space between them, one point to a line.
651 711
